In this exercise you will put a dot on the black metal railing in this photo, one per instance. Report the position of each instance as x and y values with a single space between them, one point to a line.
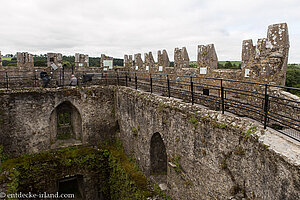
261 102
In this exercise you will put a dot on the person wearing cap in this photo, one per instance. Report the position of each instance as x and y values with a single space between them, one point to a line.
73 81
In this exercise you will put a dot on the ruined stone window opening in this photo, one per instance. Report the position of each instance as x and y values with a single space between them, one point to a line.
51 59
64 125
65 122
158 156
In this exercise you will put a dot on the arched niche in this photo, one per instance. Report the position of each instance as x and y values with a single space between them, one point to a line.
65 122
158 156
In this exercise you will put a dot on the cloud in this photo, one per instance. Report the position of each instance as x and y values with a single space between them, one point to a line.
127 27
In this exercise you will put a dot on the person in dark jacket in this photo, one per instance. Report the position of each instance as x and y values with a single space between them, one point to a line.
45 78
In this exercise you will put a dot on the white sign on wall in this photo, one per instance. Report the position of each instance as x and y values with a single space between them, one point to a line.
147 68
203 70
247 73
105 69
54 67
108 63
160 68
136 67
80 64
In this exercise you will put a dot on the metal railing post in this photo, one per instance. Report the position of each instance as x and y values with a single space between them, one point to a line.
34 85
192 90
126 80
168 81
118 78
151 89
6 80
135 81
60 76
106 79
222 97
63 76
266 106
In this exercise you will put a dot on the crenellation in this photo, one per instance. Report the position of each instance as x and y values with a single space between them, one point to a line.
267 62
25 59
128 62
106 62
264 63
207 58
149 61
138 62
278 35
81 60
163 58
181 58
54 60
248 50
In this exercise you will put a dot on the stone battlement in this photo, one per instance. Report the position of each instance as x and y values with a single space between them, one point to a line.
264 63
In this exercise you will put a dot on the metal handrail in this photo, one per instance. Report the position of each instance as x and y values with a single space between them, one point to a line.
186 87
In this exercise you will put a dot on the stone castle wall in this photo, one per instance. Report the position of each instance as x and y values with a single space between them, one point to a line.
26 124
208 157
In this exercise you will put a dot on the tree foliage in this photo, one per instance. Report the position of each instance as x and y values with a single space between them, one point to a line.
293 78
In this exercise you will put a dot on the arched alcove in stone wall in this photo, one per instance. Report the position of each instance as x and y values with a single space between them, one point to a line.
65 122
158 156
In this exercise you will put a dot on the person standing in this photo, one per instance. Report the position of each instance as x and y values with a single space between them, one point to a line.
45 78
73 81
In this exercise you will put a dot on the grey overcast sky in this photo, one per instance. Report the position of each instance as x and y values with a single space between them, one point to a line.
118 27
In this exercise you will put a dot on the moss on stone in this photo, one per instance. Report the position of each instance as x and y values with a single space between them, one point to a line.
120 176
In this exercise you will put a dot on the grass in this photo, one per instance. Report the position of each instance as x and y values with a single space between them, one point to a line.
232 62
5 58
